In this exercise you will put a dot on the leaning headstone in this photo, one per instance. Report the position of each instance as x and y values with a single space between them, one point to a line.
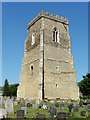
53 112
20 114
88 107
3 113
9 106
25 109
83 113
61 116
61 106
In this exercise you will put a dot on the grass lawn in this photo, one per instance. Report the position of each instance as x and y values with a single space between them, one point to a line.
31 112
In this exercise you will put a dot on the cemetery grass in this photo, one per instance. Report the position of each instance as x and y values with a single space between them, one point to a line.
31 113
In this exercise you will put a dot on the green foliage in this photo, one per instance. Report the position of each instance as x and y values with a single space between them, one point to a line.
6 88
84 85
13 89
9 90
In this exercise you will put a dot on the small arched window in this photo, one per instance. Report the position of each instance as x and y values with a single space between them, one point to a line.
55 35
31 70
33 38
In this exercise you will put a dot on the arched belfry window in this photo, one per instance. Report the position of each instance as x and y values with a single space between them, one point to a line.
33 38
55 35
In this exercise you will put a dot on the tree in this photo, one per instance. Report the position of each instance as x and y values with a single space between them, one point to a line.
84 85
13 89
6 88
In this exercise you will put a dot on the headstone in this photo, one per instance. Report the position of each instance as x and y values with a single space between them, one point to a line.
81 103
15 103
9 106
20 114
3 113
37 101
22 102
29 104
61 106
83 113
53 112
40 117
0 103
57 105
88 101
61 116
75 108
25 109
70 106
44 105
88 107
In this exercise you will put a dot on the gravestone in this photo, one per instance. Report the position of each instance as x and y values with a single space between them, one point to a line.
83 113
29 104
3 113
20 114
44 106
0 103
22 102
37 101
57 105
88 101
75 108
25 109
61 106
40 116
61 116
15 103
88 107
70 106
53 112
9 106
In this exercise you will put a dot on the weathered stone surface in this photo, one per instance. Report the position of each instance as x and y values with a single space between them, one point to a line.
47 66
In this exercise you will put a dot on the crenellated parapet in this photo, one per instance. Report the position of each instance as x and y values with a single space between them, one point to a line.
48 16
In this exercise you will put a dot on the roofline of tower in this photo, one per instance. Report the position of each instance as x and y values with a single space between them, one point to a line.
48 16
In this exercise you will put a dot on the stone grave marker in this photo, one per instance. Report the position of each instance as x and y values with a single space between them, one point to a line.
56 104
75 108
53 112
20 114
62 106
22 102
0 103
61 116
44 106
9 106
88 101
83 113
15 103
88 107
25 109
37 101
70 106
29 104
3 113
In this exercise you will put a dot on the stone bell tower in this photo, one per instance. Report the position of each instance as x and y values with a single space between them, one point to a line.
47 66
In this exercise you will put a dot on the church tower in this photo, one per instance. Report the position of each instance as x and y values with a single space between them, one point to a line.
47 67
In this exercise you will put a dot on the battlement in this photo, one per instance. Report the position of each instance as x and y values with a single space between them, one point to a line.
48 16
